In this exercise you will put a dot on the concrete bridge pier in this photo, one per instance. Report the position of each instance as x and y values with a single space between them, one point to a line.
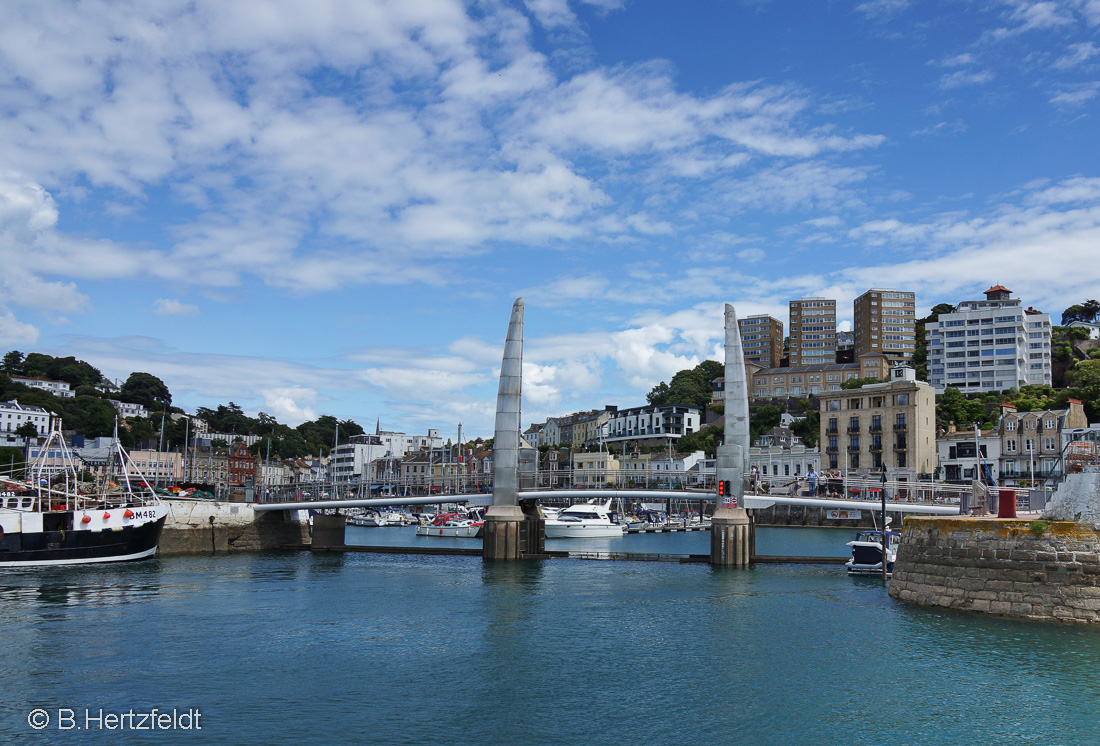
328 531
501 535
731 538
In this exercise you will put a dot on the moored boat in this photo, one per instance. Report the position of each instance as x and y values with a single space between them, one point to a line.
867 552
583 520
49 517
458 525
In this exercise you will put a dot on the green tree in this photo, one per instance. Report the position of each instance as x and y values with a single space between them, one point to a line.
90 416
707 440
1087 312
147 390
763 418
1085 380
26 430
11 460
689 386
808 428
13 363
856 383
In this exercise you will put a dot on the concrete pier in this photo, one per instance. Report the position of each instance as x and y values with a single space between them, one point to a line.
503 520
328 531
731 534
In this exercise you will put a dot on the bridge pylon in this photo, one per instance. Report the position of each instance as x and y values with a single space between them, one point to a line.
731 534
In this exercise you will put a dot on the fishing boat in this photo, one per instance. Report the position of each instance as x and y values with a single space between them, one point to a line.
49 517
867 552
583 520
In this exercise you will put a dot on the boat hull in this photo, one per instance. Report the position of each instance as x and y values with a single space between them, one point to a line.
580 531
45 548
460 532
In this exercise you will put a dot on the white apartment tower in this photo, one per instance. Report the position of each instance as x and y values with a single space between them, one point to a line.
989 345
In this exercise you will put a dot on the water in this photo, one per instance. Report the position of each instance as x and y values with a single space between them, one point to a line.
292 648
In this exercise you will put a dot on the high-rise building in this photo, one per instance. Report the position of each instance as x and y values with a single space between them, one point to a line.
989 345
762 340
885 321
813 331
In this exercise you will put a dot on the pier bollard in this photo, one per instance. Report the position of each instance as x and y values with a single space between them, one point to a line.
731 538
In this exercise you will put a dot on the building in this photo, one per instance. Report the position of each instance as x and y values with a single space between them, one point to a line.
780 456
965 456
60 389
242 467
598 469
889 425
350 461
129 409
812 331
162 468
762 340
810 380
653 424
989 345
885 321
13 414
1032 442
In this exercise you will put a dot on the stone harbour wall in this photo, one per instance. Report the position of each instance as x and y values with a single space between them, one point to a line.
205 527
1036 570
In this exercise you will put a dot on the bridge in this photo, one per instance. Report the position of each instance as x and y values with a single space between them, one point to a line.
926 498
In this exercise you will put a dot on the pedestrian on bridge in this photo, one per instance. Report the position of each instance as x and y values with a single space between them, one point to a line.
811 481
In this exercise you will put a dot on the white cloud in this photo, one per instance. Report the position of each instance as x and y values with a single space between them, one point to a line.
1076 54
292 405
173 307
751 255
1076 96
961 78
15 333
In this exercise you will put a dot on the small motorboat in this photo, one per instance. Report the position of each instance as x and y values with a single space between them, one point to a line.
867 552
583 520
458 525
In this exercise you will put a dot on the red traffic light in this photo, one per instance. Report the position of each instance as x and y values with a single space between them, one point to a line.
721 488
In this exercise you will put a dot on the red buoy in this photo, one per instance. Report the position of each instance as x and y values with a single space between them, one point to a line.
86 519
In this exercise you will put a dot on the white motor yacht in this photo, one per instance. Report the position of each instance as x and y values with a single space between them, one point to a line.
583 520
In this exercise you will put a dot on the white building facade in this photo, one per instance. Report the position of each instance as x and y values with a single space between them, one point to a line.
13 414
990 345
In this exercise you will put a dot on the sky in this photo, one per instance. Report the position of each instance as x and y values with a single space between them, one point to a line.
315 207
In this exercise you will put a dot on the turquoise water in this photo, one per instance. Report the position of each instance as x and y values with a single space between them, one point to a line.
291 648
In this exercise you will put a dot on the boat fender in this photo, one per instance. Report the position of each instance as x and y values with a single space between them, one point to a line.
129 513
106 516
86 519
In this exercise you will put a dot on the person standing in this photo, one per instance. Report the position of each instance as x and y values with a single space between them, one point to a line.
811 481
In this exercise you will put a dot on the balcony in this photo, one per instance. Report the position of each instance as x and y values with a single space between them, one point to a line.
875 428
853 431
901 445
901 427
853 449
875 448
831 449
833 431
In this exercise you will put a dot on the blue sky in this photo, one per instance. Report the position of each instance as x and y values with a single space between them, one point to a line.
327 207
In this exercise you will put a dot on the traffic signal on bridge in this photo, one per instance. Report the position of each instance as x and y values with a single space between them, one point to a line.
724 488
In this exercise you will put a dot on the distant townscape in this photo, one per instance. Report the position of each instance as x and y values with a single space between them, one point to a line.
986 389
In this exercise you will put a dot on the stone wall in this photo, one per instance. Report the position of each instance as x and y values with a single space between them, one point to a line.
204 527
1000 566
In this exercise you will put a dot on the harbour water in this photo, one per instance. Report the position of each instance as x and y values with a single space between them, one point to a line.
294 648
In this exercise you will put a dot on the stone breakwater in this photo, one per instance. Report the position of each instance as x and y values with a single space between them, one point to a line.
1036 570
204 527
